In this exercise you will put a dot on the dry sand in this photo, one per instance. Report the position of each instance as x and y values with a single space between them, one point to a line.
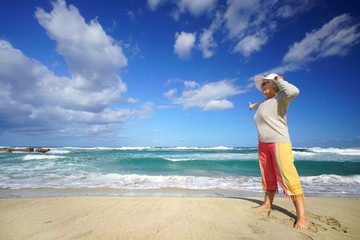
174 218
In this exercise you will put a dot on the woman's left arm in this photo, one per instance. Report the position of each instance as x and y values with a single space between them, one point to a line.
289 91
254 106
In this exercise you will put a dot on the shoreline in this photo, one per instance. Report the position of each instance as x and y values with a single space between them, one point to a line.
98 217
113 192
162 192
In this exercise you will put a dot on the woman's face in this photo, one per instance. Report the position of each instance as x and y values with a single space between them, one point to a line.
268 87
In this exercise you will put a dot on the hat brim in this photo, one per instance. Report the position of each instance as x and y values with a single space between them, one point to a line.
258 82
260 79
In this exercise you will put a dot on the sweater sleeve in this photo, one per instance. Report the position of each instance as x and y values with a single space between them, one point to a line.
255 106
287 90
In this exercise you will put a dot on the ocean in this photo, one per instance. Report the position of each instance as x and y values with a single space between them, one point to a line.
323 171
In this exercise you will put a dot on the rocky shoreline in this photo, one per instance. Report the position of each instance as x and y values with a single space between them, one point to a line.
29 149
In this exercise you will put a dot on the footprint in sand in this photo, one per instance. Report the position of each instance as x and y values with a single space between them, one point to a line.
303 236
329 221
313 227
278 217
281 218
274 215
255 229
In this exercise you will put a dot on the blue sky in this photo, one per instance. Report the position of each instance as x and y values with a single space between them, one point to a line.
175 73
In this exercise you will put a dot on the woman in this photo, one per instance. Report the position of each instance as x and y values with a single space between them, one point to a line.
275 151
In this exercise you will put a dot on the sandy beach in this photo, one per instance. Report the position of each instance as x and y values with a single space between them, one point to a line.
174 218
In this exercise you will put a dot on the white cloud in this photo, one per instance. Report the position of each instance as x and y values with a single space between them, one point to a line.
165 106
196 7
248 16
132 100
210 96
290 67
170 93
250 44
132 16
146 111
333 38
55 113
217 105
93 57
243 22
184 43
241 14
173 80
153 4
33 97
190 84
35 94
252 22
207 43
292 8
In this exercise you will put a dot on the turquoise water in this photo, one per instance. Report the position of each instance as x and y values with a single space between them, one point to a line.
330 171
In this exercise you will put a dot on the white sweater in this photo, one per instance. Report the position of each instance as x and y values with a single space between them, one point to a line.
270 117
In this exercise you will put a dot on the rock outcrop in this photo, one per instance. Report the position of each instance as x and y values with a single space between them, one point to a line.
29 149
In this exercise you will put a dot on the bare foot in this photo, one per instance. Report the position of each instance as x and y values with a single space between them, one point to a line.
264 207
302 223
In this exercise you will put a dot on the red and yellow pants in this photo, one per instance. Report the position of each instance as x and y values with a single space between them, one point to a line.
277 165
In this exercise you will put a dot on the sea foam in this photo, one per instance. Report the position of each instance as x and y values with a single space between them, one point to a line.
338 151
40 157
161 167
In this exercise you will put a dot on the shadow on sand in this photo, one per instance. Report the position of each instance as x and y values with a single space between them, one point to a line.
274 207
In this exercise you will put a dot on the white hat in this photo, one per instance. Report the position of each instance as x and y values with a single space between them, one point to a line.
260 79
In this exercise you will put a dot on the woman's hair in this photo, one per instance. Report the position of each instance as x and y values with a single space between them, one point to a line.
276 87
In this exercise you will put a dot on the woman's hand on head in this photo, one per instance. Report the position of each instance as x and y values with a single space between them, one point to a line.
277 77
